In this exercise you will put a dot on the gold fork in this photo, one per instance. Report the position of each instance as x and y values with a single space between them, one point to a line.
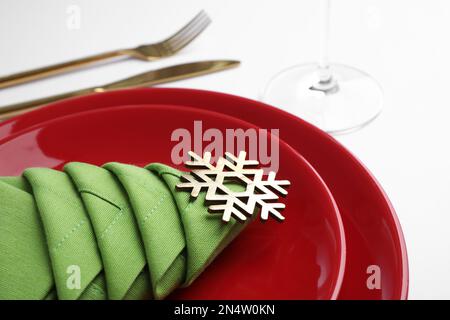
148 52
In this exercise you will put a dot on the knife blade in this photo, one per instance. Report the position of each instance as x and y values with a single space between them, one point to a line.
158 76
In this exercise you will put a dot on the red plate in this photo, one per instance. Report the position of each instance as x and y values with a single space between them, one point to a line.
373 233
300 258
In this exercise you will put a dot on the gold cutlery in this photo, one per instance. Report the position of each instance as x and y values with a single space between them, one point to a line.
158 76
149 52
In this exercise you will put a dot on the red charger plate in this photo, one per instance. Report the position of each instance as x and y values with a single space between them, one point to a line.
300 258
373 233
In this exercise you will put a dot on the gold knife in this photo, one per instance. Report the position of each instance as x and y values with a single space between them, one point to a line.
158 76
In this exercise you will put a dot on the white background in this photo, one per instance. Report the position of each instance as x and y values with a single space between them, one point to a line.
404 44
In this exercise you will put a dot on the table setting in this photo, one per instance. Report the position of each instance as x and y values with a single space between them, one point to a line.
157 175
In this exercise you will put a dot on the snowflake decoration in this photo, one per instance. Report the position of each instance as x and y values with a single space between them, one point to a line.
238 204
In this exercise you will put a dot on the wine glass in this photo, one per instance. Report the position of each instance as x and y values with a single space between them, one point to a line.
336 98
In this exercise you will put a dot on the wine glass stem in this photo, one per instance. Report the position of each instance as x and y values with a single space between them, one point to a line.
324 65
326 82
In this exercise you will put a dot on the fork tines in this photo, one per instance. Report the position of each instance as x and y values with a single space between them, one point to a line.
189 32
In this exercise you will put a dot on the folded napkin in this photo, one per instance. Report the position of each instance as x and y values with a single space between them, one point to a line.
126 229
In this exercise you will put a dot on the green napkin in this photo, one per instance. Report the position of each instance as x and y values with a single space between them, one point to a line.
124 231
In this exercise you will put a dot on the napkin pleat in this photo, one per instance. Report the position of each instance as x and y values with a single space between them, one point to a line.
25 271
159 224
205 235
70 237
113 220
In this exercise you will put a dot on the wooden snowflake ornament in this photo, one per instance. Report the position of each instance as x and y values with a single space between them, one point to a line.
258 193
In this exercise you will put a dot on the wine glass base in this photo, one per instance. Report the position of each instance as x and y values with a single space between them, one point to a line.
352 101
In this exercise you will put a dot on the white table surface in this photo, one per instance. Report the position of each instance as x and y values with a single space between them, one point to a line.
403 44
